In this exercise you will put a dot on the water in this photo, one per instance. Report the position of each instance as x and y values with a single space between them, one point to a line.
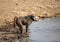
47 30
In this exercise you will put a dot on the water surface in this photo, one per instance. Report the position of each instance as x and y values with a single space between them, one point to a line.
47 30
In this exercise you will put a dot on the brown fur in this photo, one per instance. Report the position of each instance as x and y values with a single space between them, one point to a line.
27 20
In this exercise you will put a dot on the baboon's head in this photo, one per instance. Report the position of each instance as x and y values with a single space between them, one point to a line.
33 18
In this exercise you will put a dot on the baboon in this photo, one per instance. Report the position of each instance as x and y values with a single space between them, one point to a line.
20 21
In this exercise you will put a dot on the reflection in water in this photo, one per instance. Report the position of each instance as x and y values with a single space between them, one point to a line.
23 40
16 40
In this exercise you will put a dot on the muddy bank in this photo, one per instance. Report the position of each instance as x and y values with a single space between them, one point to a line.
9 33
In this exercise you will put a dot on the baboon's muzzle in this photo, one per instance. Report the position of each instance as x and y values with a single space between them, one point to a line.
36 18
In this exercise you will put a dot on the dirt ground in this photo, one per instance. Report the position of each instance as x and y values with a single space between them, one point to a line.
11 8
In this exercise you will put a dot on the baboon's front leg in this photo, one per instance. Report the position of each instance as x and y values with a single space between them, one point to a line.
27 31
27 28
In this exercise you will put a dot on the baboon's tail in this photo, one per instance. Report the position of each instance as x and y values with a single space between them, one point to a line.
15 20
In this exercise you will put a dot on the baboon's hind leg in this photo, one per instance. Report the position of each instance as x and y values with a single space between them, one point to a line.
20 27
